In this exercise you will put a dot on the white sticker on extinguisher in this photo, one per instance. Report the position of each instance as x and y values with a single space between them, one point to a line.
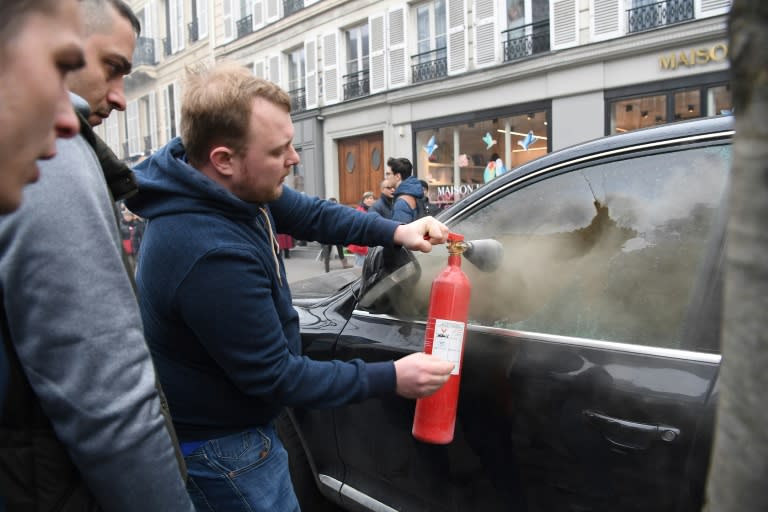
449 337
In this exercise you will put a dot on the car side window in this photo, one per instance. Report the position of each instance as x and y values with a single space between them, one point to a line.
610 251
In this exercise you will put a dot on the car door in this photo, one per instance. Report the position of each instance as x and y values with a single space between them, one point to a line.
591 356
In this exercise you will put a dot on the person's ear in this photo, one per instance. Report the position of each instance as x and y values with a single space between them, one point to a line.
222 160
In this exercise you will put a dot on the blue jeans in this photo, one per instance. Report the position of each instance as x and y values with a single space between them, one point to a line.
247 471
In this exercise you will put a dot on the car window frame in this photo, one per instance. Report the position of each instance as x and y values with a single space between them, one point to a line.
533 172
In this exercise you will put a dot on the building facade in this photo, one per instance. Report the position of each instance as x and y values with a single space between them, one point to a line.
450 84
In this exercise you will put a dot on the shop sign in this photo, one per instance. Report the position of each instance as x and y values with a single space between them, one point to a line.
694 57
454 193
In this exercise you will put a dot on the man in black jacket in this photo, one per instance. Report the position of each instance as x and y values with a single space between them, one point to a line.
383 205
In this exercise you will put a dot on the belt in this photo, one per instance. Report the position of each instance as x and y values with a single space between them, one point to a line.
190 446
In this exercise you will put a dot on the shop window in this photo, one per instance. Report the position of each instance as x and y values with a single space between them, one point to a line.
719 100
455 160
687 105
635 113
632 113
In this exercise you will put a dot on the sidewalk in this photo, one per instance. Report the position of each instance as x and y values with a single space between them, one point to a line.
304 262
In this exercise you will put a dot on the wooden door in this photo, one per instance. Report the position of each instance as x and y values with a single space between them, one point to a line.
361 166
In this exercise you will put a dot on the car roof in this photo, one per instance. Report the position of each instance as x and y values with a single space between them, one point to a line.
641 137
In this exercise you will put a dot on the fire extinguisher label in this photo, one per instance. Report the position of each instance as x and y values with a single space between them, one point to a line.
449 337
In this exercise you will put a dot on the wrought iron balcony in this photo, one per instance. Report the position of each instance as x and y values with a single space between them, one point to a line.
144 54
659 14
244 26
525 41
291 6
357 84
298 99
429 65
194 33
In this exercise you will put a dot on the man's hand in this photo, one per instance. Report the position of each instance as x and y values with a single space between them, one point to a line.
421 235
419 375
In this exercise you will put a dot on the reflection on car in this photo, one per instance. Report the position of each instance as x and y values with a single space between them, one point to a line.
592 353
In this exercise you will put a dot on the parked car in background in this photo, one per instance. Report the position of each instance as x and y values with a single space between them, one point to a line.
589 379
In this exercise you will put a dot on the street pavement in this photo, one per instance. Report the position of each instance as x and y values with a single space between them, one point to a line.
304 262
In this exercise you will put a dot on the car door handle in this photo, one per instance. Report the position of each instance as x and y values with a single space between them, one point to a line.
631 435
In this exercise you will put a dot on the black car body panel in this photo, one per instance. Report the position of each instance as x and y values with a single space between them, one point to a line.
591 361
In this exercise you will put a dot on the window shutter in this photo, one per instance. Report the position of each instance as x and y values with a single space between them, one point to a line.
606 18
258 14
181 26
331 68
707 8
274 69
486 35
564 23
457 40
273 10
112 132
377 53
227 20
132 127
167 110
202 19
150 30
398 51
176 12
310 73
177 106
152 121
258 69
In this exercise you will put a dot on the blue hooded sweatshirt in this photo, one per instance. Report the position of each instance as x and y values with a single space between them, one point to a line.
216 306
402 211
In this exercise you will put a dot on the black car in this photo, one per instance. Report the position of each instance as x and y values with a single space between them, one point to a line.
590 371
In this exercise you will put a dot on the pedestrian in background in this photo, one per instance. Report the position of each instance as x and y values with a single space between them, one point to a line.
383 205
84 427
408 190
425 207
131 231
325 252
40 43
214 296
360 251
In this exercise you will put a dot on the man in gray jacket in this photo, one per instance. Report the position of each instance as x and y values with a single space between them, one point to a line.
40 41
83 427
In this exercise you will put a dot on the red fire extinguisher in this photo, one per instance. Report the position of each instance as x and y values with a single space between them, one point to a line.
435 416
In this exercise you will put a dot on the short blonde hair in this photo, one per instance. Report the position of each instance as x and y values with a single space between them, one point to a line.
216 108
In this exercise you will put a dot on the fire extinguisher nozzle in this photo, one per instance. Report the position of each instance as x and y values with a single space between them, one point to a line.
484 254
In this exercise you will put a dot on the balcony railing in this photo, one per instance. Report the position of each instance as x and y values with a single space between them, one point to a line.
167 46
244 26
298 99
429 65
194 33
525 41
291 6
659 14
144 54
357 84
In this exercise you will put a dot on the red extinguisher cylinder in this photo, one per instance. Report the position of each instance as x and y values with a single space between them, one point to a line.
435 417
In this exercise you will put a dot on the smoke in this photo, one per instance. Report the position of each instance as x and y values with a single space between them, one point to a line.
611 259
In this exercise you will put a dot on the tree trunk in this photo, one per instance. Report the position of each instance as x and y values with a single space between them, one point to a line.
738 477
